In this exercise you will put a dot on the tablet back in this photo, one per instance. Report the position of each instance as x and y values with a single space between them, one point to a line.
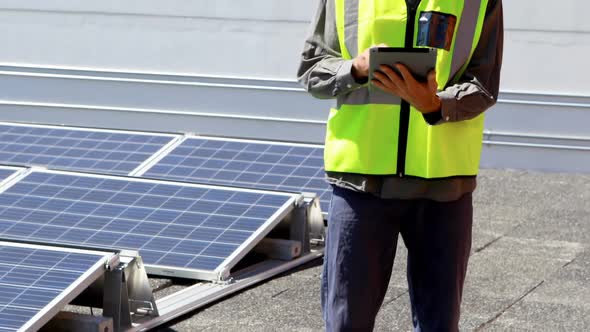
419 60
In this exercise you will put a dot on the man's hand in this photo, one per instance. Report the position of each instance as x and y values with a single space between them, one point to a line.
421 95
360 65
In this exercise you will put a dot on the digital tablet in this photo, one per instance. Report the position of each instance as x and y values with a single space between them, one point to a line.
419 60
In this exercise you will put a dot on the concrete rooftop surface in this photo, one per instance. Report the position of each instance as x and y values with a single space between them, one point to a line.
529 269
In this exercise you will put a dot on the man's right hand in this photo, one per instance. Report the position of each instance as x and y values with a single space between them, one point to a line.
360 65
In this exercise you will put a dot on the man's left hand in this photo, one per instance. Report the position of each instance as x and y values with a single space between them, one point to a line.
421 95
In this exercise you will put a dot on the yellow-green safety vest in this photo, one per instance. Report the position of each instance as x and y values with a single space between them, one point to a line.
378 139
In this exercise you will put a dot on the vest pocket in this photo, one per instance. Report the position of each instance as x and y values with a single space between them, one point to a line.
450 149
362 139
436 30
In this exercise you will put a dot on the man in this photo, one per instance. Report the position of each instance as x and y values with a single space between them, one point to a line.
404 169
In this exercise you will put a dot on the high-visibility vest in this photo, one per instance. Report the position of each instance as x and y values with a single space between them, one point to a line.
365 138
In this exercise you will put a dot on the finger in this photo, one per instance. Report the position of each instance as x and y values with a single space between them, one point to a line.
378 84
385 81
387 85
391 74
396 80
406 74
385 88
432 84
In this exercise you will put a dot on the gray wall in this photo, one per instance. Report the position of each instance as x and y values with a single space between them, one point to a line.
251 38
226 67
547 43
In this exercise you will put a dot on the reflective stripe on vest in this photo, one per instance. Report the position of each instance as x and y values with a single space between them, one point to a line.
366 138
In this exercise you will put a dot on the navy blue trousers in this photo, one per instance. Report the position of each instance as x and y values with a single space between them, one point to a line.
360 249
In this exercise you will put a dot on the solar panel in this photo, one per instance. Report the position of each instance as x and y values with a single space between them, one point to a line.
35 279
175 227
112 152
6 172
251 164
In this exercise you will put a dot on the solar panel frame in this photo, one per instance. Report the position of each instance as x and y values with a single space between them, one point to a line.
133 164
155 158
67 294
11 172
324 194
223 269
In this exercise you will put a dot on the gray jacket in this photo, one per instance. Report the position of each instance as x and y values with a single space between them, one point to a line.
325 74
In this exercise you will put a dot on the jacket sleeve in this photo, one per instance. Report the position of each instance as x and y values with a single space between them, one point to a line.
477 89
322 70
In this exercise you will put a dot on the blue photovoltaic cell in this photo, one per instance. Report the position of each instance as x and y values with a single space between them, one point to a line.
5 173
170 224
30 278
259 165
75 149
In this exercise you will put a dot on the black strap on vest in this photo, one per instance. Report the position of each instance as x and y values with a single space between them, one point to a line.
404 121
